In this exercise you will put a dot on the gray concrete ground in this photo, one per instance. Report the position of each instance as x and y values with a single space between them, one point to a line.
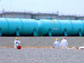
37 55
41 41
41 55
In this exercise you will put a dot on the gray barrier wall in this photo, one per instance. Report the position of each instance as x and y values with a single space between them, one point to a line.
41 41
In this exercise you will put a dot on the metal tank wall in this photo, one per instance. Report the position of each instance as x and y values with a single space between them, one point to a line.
66 27
14 26
42 27
3 26
83 27
29 27
78 27
61 27
18 27
56 29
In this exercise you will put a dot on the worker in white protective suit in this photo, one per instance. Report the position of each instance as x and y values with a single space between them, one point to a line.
64 43
56 43
16 42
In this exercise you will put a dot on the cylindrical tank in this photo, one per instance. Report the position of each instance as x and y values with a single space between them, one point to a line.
56 27
66 27
61 27
3 26
77 27
14 26
29 27
44 27
83 27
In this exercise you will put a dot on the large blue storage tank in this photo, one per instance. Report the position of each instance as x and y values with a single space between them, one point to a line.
29 27
56 27
66 27
14 26
78 27
44 27
3 26
61 27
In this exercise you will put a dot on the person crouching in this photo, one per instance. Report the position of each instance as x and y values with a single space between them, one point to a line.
16 42
57 43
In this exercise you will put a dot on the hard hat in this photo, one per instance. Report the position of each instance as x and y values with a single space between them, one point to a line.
56 38
19 47
16 38
64 38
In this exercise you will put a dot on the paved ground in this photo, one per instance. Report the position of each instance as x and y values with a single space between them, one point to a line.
41 41
41 55
36 55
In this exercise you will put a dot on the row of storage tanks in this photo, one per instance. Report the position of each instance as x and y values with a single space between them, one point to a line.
42 27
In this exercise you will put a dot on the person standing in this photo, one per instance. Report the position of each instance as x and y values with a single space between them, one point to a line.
16 42
56 43
64 43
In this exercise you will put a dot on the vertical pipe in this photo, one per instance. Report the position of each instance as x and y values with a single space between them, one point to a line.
65 33
35 33
0 32
17 32
49 33
80 34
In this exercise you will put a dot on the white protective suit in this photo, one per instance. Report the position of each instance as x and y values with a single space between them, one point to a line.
16 43
64 43
56 44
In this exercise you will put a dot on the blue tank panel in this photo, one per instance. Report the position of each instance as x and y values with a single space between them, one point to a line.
14 26
44 26
83 27
66 27
29 26
3 26
56 27
77 27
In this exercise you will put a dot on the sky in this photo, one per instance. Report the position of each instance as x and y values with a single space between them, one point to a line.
63 7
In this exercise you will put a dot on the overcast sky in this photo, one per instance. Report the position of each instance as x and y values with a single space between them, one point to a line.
71 7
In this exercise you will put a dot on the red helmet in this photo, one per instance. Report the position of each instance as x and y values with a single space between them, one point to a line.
18 47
